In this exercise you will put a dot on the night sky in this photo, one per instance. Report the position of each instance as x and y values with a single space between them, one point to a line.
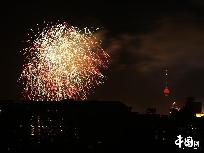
142 37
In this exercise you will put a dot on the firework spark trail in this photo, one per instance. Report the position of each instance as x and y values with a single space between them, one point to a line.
63 62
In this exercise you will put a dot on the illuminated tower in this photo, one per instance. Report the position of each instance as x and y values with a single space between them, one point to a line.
166 89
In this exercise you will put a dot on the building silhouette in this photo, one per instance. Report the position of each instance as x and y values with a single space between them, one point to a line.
91 126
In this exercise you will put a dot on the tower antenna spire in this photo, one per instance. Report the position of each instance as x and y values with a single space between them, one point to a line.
166 77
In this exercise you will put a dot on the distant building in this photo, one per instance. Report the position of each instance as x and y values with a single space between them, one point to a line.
194 107
151 111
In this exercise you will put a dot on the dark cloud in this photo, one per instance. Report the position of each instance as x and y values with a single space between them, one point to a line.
198 3
177 41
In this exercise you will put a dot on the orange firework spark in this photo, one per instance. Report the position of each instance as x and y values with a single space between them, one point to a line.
63 62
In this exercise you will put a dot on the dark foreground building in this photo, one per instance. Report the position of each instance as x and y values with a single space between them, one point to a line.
62 126
92 126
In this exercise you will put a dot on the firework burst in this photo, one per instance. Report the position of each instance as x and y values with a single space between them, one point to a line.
62 62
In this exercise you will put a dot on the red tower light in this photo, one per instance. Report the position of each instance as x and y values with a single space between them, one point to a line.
166 91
